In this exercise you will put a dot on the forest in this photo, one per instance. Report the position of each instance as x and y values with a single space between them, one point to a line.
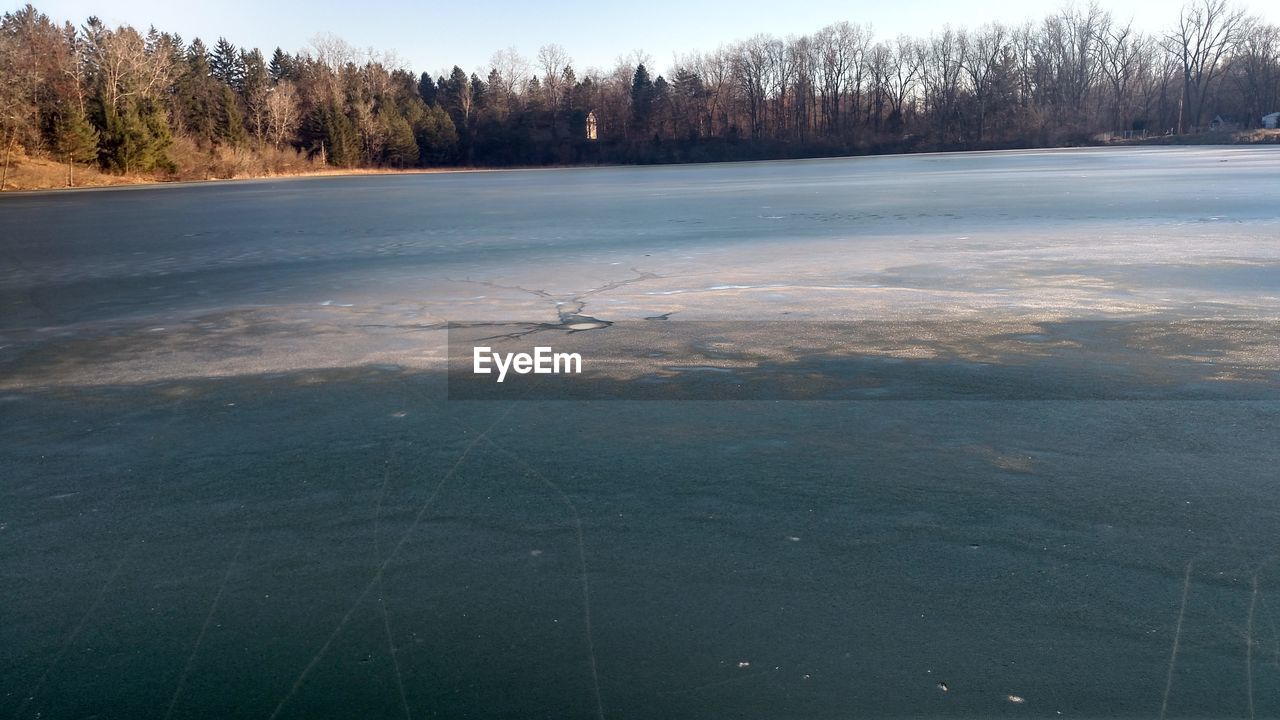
151 103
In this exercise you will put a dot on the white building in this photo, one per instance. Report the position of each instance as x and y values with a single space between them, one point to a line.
1271 121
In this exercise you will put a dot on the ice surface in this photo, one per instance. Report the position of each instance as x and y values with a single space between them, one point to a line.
233 484
359 262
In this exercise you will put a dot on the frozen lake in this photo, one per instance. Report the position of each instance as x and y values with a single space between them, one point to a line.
234 484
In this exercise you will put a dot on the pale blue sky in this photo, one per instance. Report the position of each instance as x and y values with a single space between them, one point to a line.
435 36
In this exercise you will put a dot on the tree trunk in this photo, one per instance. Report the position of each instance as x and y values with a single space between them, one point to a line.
8 150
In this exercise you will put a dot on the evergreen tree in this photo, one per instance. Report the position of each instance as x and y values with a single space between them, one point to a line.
336 139
688 94
437 137
455 96
177 48
198 56
230 122
427 89
75 137
197 95
568 79
281 66
479 94
533 95
499 103
134 137
255 90
641 98
401 149
404 88
224 63
254 76
660 104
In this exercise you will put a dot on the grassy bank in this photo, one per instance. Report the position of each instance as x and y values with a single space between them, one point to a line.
35 173
38 173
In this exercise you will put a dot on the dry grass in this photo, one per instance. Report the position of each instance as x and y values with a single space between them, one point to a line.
1258 136
191 163
33 173
1240 137
225 163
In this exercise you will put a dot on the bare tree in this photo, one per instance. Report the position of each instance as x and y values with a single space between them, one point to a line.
980 55
330 56
1124 59
126 69
943 64
716 71
803 58
282 113
512 70
552 60
1207 32
750 71
903 77
841 48
1257 62
332 51
12 114
28 66
256 103
778 71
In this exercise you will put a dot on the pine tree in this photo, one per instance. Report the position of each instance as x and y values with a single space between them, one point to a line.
479 94
230 122
437 137
401 149
427 89
569 80
255 89
75 138
198 56
281 67
641 98
134 137
177 49
335 135
499 102
688 93
533 95
456 97
254 73
198 95
224 64
659 105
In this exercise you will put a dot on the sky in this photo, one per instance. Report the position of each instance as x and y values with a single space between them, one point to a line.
434 36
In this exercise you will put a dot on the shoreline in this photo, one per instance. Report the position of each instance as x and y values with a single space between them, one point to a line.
104 181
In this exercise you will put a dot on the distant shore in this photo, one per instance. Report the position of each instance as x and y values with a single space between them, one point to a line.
37 174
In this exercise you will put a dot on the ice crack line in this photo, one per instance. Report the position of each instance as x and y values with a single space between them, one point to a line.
570 309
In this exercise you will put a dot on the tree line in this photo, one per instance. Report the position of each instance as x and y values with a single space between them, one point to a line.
150 102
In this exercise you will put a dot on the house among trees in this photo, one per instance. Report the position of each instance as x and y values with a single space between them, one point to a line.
1221 124
1271 121
591 125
